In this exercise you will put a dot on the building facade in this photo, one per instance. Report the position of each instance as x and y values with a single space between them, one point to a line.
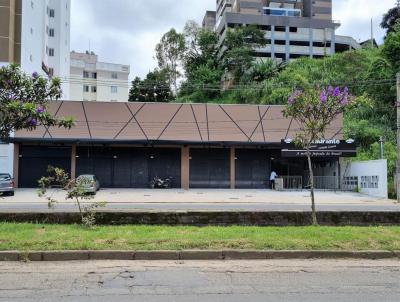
36 35
92 80
294 28
197 145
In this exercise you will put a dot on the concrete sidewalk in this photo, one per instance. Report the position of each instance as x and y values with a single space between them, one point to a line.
205 196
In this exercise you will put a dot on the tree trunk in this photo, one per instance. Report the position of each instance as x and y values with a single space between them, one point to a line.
314 212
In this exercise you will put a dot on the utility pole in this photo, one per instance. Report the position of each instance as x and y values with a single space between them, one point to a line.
382 141
372 33
398 137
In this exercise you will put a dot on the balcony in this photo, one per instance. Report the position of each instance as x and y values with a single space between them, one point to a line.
283 12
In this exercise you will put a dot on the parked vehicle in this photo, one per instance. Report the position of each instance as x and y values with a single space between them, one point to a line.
6 184
161 183
89 182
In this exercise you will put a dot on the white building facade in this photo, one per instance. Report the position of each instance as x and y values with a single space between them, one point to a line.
96 81
45 39
36 35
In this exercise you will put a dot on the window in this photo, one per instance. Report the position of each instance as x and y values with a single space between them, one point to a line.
31 31
114 89
94 75
51 52
51 32
51 13
114 75
31 58
94 89
32 4
86 74
51 71
85 88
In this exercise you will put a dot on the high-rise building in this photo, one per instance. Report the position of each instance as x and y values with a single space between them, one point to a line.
36 35
92 80
294 28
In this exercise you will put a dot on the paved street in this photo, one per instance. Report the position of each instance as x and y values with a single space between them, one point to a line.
204 200
278 280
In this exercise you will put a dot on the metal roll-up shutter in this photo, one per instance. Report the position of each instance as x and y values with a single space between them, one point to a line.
118 167
210 168
35 160
165 163
252 168
97 161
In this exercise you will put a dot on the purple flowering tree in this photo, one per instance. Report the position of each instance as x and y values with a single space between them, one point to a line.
24 100
314 110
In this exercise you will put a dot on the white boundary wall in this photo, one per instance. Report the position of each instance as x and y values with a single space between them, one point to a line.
372 176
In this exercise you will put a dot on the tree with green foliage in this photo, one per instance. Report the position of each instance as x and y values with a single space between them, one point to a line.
24 100
240 46
154 88
200 61
390 18
391 47
169 52
314 110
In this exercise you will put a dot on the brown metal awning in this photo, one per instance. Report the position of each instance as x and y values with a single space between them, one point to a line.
170 123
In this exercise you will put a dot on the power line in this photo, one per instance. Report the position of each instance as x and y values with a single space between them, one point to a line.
254 86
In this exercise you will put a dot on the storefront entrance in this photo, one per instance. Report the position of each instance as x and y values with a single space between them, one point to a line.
129 167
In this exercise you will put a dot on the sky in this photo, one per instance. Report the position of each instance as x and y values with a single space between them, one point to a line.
127 31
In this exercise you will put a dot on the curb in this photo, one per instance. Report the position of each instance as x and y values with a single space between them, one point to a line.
192 255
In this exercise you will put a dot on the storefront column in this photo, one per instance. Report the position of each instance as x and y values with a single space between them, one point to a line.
185 166
73 162
233 168
16 164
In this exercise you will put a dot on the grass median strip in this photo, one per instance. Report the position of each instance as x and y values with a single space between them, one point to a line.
35 237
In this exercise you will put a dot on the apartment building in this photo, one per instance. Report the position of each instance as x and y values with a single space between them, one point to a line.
294 28
36 35
92 80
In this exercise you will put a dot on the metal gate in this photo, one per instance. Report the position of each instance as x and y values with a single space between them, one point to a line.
34 162
253 168
129 167
210 168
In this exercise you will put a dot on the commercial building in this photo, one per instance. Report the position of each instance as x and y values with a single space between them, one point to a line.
92 80
294 28
199 145
36 35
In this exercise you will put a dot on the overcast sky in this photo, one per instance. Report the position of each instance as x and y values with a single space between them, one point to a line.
126 31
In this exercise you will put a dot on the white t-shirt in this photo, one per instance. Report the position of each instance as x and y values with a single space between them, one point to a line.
273 176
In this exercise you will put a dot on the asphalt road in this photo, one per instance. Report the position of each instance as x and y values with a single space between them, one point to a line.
235 281
69 207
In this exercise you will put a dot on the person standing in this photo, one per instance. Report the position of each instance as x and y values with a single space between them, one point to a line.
272 179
